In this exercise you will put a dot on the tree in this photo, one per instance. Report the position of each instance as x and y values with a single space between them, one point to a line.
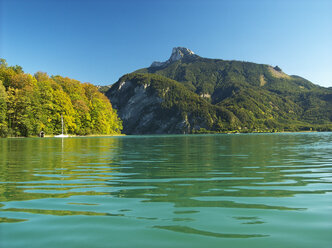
3 111
30 104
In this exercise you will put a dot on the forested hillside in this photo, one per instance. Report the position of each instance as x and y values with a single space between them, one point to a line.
30 104
216 95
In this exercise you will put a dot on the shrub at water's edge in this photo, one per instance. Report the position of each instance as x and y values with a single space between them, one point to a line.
30 104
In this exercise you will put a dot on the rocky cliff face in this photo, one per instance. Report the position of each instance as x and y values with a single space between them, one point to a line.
177 54
140 106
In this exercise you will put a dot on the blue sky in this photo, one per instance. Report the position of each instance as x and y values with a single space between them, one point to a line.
98 41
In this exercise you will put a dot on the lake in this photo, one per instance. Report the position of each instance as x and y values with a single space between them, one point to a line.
246 190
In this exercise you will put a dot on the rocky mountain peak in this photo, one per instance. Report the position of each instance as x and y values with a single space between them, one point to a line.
177 54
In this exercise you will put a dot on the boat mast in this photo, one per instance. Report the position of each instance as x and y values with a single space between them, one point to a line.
61 124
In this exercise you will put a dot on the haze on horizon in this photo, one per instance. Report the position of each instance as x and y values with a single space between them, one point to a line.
98 41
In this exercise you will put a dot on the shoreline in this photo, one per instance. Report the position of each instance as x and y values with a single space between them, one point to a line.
122 135
70 136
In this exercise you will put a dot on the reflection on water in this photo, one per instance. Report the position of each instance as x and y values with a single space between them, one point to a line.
185 229
183 191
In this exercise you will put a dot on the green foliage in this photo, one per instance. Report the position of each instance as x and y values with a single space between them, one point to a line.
251 97
3 111
30 104
177 100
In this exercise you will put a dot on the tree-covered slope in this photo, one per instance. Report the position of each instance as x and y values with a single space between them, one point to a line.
237 95
217 79
30 104
149 103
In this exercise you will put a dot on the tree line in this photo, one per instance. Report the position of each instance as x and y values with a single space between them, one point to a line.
30 104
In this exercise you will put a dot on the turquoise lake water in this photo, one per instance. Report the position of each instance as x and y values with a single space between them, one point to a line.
246 190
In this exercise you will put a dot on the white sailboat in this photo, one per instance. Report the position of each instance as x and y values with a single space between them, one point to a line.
62 135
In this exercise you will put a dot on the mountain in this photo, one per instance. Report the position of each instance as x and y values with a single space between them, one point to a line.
178 53
189 94
103 88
